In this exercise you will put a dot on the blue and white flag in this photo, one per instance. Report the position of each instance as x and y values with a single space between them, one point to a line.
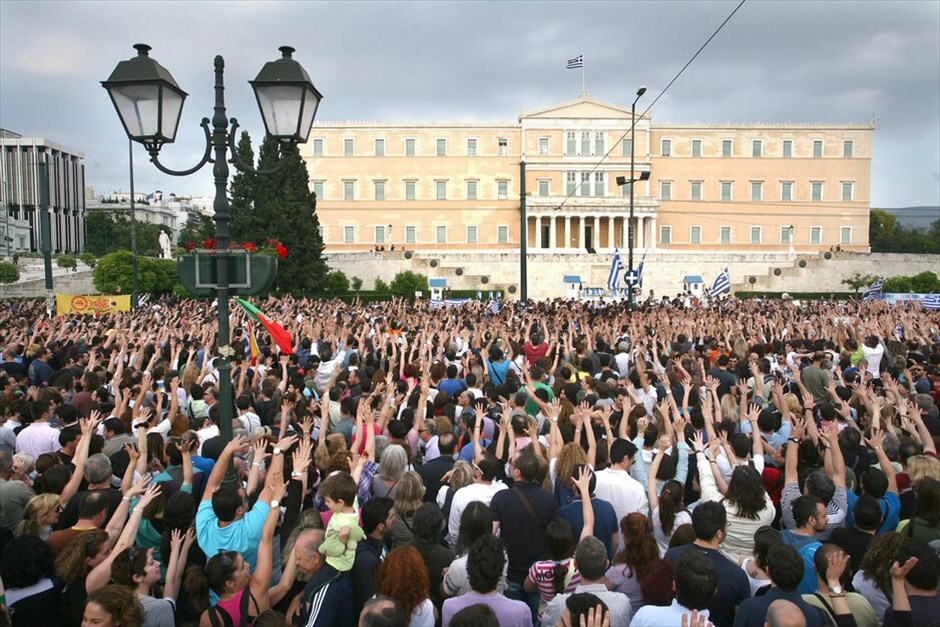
639 271
931 302
575 63
874 290
722 284
616 267
494 306
450 302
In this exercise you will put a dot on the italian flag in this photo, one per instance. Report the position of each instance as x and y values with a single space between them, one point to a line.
280 336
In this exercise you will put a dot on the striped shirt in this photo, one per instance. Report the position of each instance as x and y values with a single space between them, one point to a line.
543 574
837 509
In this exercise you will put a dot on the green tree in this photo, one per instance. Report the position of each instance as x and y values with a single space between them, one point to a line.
381 287
356 283
88 259
859 281
107 232
101 232
9 273
113 274
197 228
246 224
286 208
406 283
336 282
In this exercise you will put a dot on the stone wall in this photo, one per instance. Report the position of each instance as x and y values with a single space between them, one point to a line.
663 271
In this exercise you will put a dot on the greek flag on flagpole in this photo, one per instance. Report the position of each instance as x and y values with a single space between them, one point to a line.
616 267
722 284
639 271
874 289
931 302
575 63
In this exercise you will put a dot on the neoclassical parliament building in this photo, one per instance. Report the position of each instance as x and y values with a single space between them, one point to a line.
456 187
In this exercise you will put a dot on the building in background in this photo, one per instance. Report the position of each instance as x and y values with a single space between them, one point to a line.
19 194
736 188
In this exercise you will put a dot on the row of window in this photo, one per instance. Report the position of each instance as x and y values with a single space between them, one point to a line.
757 148
383 235
726 191
581 143
411 190
756 235
411 147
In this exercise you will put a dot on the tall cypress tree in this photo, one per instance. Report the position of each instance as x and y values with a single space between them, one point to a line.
245 225
287 208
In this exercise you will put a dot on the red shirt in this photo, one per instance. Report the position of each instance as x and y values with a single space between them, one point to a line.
534 353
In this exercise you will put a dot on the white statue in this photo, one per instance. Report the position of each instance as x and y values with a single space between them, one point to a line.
165 250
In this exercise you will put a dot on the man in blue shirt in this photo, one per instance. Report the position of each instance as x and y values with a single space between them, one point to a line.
786 571
606 527
881 484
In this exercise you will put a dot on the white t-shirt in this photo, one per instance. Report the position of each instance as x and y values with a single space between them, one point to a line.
423 616
874 355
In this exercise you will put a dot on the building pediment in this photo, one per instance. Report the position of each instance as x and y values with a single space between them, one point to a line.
585 108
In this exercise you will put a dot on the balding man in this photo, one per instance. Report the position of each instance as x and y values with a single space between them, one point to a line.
327 598
782 613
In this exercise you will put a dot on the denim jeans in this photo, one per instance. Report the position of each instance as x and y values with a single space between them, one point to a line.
515 591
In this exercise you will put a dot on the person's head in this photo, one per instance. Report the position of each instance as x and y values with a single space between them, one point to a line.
403 576
307 550
820 485
113 606
709 520
410 494
927 504
671 502
559 542
525 467
486 468
639 544
821 562
477 615
135 567
874 481
227 572
867 513
84 552
475 521
94 507
591 559
622 452
98 469
783 613
446 444
696 580
485 562
765 538
785 567
377 515
926 573
381 611
657 584
40 513
339 491
746 492
393 463
427 524
229 502
809 513
579 607
25 560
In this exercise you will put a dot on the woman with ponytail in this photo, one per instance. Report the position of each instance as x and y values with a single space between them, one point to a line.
668 507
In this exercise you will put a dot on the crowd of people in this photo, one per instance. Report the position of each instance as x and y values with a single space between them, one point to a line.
732 463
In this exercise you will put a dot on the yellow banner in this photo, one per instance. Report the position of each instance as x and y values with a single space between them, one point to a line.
90 303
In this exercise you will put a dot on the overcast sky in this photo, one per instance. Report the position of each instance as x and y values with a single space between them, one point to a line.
486 61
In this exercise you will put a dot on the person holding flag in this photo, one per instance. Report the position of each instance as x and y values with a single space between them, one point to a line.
875 291
722 284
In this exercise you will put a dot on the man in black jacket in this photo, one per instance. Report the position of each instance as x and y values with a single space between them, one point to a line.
377 516
433 471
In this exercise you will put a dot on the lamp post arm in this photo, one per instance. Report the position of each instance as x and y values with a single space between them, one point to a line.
206 157
244 167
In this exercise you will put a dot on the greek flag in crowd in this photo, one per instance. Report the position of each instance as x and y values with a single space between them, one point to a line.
722 284
616 267
931 302
576 62
874 289
639 271
494 306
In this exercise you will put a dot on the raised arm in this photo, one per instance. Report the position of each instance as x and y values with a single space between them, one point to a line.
875 443
652 490
218 471
582 483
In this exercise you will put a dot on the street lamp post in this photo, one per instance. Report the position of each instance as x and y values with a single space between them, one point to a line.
149 103
621 181
136 291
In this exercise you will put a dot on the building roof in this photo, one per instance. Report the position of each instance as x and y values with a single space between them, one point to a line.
572 278
437 282
692 278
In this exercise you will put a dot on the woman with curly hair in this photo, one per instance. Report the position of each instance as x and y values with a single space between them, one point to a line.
26 568
745 500
873 579
41 512
560 470
73 564
413 591
630 564
410 495
113 606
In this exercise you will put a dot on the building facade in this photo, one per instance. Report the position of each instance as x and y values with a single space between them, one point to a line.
460 187
19 187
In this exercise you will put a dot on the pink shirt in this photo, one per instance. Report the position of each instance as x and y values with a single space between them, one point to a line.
543 574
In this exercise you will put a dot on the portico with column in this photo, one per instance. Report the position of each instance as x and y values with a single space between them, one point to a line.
568 230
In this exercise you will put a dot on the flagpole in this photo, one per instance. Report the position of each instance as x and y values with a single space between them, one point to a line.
583 90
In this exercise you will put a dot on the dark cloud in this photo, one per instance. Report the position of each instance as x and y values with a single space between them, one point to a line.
487 61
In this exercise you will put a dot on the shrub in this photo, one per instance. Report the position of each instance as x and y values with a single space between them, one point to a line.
406 283
336 282
66 261
88 259
381 287
356 283
9 273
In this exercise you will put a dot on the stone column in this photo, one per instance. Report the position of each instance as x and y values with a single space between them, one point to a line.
551 234
538 232
596 233
567 242
654 236
610 232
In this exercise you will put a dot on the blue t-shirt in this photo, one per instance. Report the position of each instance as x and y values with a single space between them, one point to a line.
452 387
605 521
806 546
466 453
890 510
243 535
